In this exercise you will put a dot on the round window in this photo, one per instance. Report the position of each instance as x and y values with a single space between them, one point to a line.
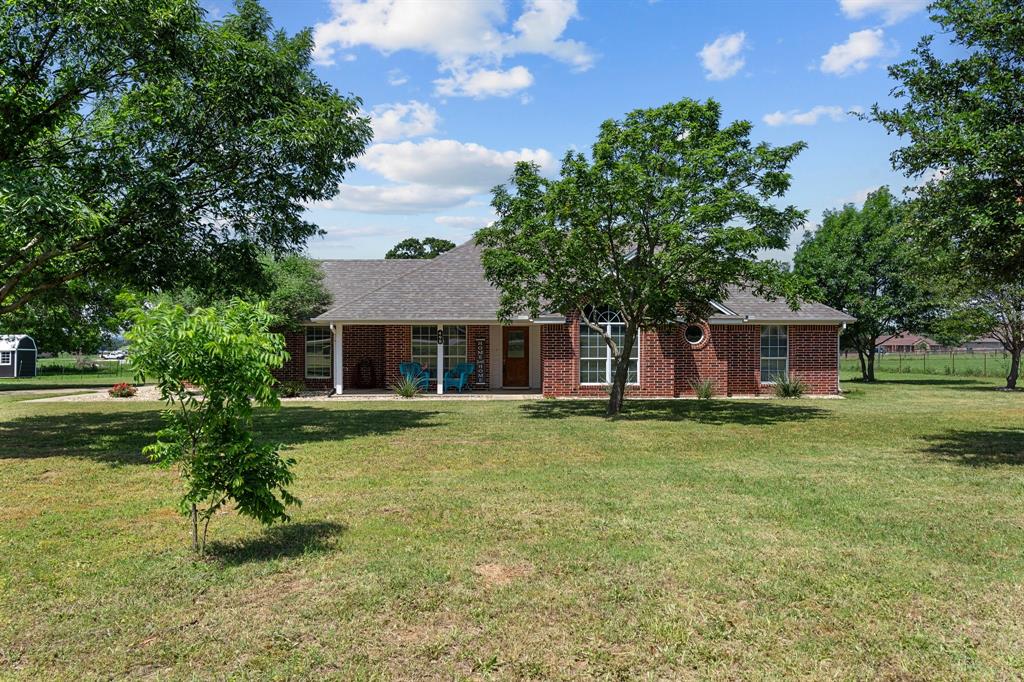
694 333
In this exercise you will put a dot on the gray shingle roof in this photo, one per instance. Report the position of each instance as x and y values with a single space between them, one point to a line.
449 287
452 287
743 303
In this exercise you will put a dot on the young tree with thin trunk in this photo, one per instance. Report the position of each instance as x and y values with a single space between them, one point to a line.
211 365
861 262
670 208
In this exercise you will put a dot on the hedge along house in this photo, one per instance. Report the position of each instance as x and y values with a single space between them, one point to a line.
443 311
17 356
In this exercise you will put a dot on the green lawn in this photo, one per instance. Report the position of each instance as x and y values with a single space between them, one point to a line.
877 536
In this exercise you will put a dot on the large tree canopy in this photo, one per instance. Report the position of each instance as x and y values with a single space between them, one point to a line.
670 209
862 263
963 120
144 146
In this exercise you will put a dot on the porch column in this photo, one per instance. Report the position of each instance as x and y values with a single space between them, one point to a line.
440 359
337 369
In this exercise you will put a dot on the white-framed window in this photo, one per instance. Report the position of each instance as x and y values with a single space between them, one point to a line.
597 366
318 352
424 346
774 353
6 357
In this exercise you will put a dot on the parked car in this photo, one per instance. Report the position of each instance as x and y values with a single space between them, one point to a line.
114 355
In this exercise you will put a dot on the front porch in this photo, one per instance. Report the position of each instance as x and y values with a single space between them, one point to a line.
364 358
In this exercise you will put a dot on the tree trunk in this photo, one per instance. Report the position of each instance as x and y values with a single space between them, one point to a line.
617 394
863 365
1011 378
870 366
195 529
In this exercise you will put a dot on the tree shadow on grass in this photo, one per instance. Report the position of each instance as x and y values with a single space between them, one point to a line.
278 542
978 448
117 437
714 412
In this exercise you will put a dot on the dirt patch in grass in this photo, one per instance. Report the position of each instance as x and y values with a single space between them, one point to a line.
496 574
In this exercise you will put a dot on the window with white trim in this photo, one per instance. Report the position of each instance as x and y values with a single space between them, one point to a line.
774 353
6 357
424 346
318 352
597 366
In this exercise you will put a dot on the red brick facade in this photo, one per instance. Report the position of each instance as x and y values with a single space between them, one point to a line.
728 356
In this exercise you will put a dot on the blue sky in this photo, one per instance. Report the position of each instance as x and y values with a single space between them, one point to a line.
460 90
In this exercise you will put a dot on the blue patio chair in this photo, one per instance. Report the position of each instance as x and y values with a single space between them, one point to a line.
413 371
458 376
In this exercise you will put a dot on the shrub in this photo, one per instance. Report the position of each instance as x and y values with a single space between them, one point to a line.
291 389
704 389
789 388
121 390
406 387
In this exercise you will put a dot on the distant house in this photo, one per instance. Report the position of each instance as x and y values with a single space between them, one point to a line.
907 343
984 344
443 313
17 356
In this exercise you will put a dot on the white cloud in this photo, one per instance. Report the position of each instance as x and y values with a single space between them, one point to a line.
484 82
396 77
449 163
892 11
401 120
722 58
431 175
809 117
468 38
853 55
399 199
463 221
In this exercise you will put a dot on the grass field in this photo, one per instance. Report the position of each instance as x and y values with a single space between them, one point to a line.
951 364
877 536
62 373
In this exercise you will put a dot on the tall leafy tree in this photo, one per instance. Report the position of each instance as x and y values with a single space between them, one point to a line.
862 263
963 120
670 208
147 147
428 247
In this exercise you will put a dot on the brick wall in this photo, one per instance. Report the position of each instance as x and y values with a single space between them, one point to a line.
728 355
363 344
813 356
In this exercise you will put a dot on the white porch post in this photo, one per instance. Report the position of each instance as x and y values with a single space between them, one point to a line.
336 370
440 359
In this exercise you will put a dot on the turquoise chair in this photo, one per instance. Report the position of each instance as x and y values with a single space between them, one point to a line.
458 376
413 371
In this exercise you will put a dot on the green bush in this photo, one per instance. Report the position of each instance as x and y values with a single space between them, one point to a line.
406 387
704 389
789 388
291 389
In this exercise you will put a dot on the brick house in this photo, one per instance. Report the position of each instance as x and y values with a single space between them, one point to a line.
443 311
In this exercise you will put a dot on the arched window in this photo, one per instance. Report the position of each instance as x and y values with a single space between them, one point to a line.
597 366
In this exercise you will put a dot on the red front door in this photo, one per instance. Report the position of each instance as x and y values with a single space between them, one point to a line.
516 357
